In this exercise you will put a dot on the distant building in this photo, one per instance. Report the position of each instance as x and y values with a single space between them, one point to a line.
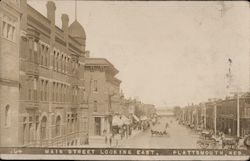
102 94
164 112
220 115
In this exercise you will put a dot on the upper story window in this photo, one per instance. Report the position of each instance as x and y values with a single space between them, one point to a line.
9 28
7 115
95 86
42 56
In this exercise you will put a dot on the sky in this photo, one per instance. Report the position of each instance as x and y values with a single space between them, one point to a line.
167 53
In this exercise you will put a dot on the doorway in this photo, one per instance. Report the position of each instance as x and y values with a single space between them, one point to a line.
97 126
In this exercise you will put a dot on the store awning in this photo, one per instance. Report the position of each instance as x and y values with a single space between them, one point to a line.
136 118
117 121
125 120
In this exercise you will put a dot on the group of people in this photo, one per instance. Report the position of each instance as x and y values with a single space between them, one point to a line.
118 133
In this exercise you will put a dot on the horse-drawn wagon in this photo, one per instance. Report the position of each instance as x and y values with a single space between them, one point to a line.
206 140
159 133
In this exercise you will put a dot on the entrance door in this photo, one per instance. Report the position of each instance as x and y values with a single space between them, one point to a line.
97 126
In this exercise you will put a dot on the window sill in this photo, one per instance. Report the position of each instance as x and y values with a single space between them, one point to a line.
12 41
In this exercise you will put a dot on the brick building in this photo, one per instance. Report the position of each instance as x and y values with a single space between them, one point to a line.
221 115
43 88
227 115
10 14
102 94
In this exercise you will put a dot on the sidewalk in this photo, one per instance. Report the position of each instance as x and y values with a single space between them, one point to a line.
99 141
134 134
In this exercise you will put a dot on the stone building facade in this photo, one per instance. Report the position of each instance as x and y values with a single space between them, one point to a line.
10 14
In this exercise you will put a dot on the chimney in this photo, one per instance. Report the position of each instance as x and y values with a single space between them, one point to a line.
23 6
87 53
65 23
51 8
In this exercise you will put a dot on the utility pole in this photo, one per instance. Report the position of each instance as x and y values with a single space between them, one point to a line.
215 118
238 115
235 92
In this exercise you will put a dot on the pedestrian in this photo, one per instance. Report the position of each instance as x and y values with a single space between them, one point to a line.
229 131
87 139
110 140
247 142
106 139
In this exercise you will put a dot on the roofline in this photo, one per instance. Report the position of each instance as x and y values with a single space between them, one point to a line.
108 62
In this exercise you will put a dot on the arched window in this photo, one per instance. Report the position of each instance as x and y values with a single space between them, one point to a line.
54 60
62 63
7 115
57 62
41 56
43 128
58 126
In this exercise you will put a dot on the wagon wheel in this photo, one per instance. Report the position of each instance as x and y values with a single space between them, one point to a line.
198 144
204 145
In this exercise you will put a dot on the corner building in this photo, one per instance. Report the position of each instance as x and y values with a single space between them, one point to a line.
103 95
45 95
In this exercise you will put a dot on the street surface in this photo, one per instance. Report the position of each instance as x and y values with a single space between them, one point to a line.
178 137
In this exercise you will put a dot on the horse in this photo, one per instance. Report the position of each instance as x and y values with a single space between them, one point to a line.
232 143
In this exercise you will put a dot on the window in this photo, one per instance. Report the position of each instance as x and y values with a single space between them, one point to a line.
8 31
7 115
56 92
4 29
42 55
30 50
64 93
68 123
57 62
45 90
24 131
30 133
35 89
72 122
54 60
62 63
8 28
95 106
13 33
60 92
43 128
53 91
29 89
37 123
58 124
46 56
41 90
95 85
35 52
